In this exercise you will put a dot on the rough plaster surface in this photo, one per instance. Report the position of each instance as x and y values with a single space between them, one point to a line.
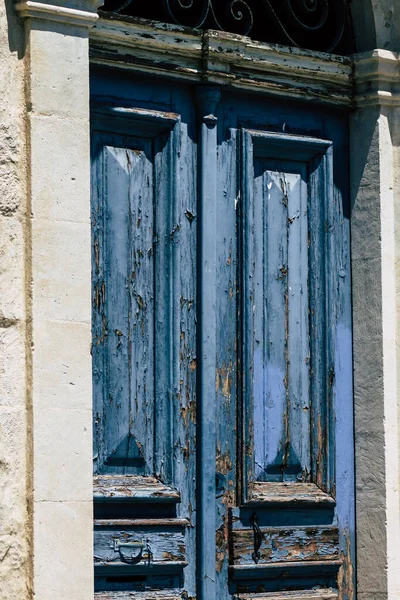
376 24
14 525
375 360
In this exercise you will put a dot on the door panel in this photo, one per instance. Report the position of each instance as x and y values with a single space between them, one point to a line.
144 347
222 345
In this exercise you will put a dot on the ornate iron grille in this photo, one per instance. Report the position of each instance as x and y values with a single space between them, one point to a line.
315 24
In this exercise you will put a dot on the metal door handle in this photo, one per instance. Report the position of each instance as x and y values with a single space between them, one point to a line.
133 559
254 522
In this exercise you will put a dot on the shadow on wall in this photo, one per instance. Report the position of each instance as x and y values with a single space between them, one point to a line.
361 149
16 35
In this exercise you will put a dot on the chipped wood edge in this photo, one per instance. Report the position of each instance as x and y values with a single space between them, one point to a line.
150 595
221 58
286 493
320 594
107 488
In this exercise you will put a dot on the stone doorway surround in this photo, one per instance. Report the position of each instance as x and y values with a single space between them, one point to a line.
60 36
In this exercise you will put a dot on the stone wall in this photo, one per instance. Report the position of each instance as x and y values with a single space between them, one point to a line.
14 526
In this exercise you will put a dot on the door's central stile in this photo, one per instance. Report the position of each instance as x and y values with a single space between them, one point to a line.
207 100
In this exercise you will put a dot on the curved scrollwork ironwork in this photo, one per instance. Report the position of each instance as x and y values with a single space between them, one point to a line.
231 15
317 24
314 24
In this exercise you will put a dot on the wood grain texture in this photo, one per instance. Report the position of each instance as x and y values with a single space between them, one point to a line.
141 523
166 545
227 350
223 59
296 494
318 594
128 487
286 337
287 544
149 595
207 99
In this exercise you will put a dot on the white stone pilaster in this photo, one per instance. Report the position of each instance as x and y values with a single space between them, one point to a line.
59 249
375 236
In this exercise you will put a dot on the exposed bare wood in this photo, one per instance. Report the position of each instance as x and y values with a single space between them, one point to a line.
289 493
150 595
221 58
134 488
287 544
132 523
322 594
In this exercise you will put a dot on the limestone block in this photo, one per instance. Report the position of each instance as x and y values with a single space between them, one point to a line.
61 271
12 471
12 366
62 455
59 69
64 564
12 297
62 362
60 169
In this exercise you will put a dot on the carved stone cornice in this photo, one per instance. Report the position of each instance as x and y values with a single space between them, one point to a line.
79 13
221 58
377 78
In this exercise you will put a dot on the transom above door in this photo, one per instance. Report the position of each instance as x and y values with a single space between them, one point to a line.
223 447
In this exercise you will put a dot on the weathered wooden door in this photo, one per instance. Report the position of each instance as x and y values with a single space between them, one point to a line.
222 367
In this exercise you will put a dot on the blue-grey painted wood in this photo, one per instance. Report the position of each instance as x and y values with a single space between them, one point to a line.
270 201
207 99
227 347
144 255
282 254
128 388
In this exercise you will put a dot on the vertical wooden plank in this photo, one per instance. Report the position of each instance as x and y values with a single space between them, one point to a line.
341 454
298 461
277 259
117 378
98 300
184 405
166 298
227 347
141 310
207 99
127 311
271 336
246 268
320 378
